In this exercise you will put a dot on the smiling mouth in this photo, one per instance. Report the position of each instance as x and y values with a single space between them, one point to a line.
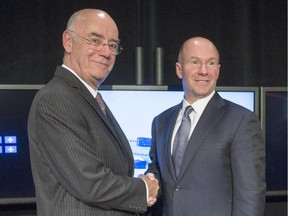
202 81
101 63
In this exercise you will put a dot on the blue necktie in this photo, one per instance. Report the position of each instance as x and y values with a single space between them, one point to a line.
181 139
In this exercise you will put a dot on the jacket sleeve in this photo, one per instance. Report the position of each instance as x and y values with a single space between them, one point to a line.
248 168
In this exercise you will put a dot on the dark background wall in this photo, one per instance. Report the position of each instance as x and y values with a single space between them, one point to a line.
251 36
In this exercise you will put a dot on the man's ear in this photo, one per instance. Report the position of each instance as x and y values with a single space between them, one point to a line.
178 70
67 41
218 71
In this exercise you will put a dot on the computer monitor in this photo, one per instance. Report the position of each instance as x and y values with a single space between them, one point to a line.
134 107
274 124
16 181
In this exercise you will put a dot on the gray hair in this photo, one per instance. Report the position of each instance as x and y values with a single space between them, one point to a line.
73 19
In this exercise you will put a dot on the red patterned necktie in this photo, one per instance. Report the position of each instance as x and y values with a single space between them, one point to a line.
100 102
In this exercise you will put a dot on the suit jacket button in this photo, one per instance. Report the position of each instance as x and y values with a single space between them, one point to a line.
177 188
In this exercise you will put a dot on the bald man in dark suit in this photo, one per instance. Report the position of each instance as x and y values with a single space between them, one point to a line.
221 171
82 163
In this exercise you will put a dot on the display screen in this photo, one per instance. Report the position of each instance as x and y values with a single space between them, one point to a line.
134 108
274 123
15 179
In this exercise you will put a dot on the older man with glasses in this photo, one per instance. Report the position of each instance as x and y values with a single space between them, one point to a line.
82 163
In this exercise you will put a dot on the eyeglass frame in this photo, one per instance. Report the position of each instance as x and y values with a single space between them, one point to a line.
99 44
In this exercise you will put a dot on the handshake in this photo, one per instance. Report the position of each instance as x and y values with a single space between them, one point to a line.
153 187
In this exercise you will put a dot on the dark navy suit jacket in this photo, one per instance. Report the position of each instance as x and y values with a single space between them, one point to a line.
223 170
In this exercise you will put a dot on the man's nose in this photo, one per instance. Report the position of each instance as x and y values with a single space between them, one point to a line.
203 69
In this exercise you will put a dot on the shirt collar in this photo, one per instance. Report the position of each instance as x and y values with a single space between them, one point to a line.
91 90
198 105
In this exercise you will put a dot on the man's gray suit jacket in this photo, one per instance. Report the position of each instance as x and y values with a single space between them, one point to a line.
81 161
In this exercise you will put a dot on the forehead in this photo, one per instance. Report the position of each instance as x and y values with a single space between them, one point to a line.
99 23
200 49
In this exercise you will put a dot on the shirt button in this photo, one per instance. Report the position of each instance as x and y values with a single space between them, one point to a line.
177 188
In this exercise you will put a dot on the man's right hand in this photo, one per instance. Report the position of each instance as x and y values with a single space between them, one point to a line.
153 187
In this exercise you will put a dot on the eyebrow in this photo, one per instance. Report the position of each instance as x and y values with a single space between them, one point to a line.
209 59
95 34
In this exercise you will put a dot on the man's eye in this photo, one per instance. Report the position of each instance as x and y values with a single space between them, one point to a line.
96 41
113 46
211 63
195 62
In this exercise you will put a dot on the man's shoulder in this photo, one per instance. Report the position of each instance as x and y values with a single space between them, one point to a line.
169 111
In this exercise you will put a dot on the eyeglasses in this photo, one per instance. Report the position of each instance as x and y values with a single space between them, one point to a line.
98 44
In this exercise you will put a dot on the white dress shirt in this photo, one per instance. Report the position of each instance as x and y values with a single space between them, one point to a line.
198 107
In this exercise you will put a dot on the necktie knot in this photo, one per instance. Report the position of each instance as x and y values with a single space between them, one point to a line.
187 111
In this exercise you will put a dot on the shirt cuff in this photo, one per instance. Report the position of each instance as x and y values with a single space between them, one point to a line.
147 191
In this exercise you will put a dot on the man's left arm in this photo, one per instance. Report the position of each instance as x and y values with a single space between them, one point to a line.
248 168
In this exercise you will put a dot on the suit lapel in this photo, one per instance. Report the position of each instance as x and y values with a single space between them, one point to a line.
116 131
74 82
169 126
122 140
206 123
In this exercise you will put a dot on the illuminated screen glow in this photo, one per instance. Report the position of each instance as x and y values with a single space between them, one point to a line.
135 110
